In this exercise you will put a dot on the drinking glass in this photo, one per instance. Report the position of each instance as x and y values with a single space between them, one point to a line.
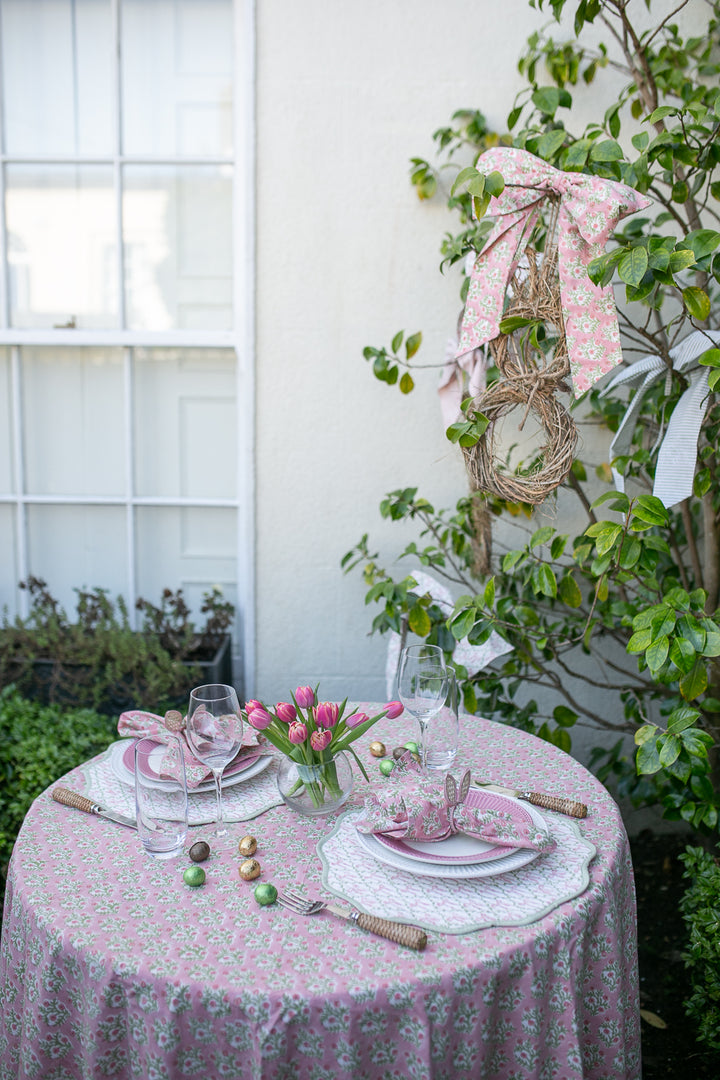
422 686
443 731
214 732
161 810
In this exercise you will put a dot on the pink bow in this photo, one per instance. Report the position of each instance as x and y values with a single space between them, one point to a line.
590 209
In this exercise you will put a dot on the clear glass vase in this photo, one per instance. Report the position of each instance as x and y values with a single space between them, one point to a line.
315 790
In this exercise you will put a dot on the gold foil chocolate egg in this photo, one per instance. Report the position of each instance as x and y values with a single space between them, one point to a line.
377 749
387 766
247 846
200 851
194 876
249 869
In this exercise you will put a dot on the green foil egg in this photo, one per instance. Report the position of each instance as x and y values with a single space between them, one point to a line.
387 766
265 893
194 876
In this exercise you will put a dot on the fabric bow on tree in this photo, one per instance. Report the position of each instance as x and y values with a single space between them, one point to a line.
590 208
677 456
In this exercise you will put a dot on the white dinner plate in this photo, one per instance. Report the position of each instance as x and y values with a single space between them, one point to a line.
127 776
461 849
513 860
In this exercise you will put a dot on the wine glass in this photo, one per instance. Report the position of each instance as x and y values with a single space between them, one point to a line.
422 686
214 731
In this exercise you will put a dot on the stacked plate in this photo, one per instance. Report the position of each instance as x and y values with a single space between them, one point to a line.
244 767
460 856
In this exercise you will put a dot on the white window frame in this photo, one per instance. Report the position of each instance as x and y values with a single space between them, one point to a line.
241 338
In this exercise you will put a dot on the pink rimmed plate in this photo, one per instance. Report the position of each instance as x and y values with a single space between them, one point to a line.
461 849
243 768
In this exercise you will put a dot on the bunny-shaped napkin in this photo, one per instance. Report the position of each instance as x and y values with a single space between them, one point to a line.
413 808
136 724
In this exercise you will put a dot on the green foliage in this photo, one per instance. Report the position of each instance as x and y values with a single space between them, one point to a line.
97 660
39 744
700 907
638 589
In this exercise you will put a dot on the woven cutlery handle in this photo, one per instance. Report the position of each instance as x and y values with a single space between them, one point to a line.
553 802
412 936
71 798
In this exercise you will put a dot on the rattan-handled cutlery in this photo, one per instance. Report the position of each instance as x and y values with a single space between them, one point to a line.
80 802
546 802
412 936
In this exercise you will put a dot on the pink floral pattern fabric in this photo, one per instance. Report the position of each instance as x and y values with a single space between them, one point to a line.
412 808
111 967
590 208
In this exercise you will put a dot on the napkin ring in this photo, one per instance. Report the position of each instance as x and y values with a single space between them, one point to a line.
174 720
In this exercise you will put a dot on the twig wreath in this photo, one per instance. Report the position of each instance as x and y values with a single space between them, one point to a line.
546 325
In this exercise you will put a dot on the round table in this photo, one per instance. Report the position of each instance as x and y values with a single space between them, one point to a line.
111 967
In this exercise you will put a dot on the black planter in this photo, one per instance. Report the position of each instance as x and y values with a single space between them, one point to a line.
54 683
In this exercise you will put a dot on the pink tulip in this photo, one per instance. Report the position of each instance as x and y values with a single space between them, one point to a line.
326 714
319 740
250 706
305 697
259 718
285 712
395 708
356 719
297 732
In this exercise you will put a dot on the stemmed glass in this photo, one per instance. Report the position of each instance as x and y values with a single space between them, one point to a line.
214 731
422 686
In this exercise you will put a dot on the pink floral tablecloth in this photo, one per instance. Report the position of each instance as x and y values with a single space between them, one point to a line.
111 967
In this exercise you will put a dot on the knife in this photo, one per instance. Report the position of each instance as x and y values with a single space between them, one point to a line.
548 802
79 802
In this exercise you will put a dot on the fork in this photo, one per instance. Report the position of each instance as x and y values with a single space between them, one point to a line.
412 936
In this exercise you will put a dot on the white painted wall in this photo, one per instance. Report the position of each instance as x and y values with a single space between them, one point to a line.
347 255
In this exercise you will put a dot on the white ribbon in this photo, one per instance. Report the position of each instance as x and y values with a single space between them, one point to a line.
677 456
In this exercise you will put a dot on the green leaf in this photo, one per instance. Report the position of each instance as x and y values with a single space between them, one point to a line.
569 591
406 383
697 302
550 143
541 536
632 266
514 322
683 655
462 624
607 150
397 340
710 358
558 546
694 683
549 98
412 345
650 509
465 174
630 552
543 580
682 718
639 641
660 114
563 716
606 540
643 734
640 141
670 749
494 184
512 559
681 259
419 621
656 653
702 242
680 192
489 594
647 759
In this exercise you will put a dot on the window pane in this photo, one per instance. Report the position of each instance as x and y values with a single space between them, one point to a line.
187 547
7 457
57 76
177 77
61 245
74 417
78 547
178 247
185 423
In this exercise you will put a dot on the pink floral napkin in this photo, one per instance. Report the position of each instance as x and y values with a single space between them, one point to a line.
413 808
136 724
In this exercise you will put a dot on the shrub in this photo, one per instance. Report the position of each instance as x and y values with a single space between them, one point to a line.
700 908
39 744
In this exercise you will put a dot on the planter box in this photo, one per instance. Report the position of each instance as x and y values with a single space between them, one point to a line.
52 683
